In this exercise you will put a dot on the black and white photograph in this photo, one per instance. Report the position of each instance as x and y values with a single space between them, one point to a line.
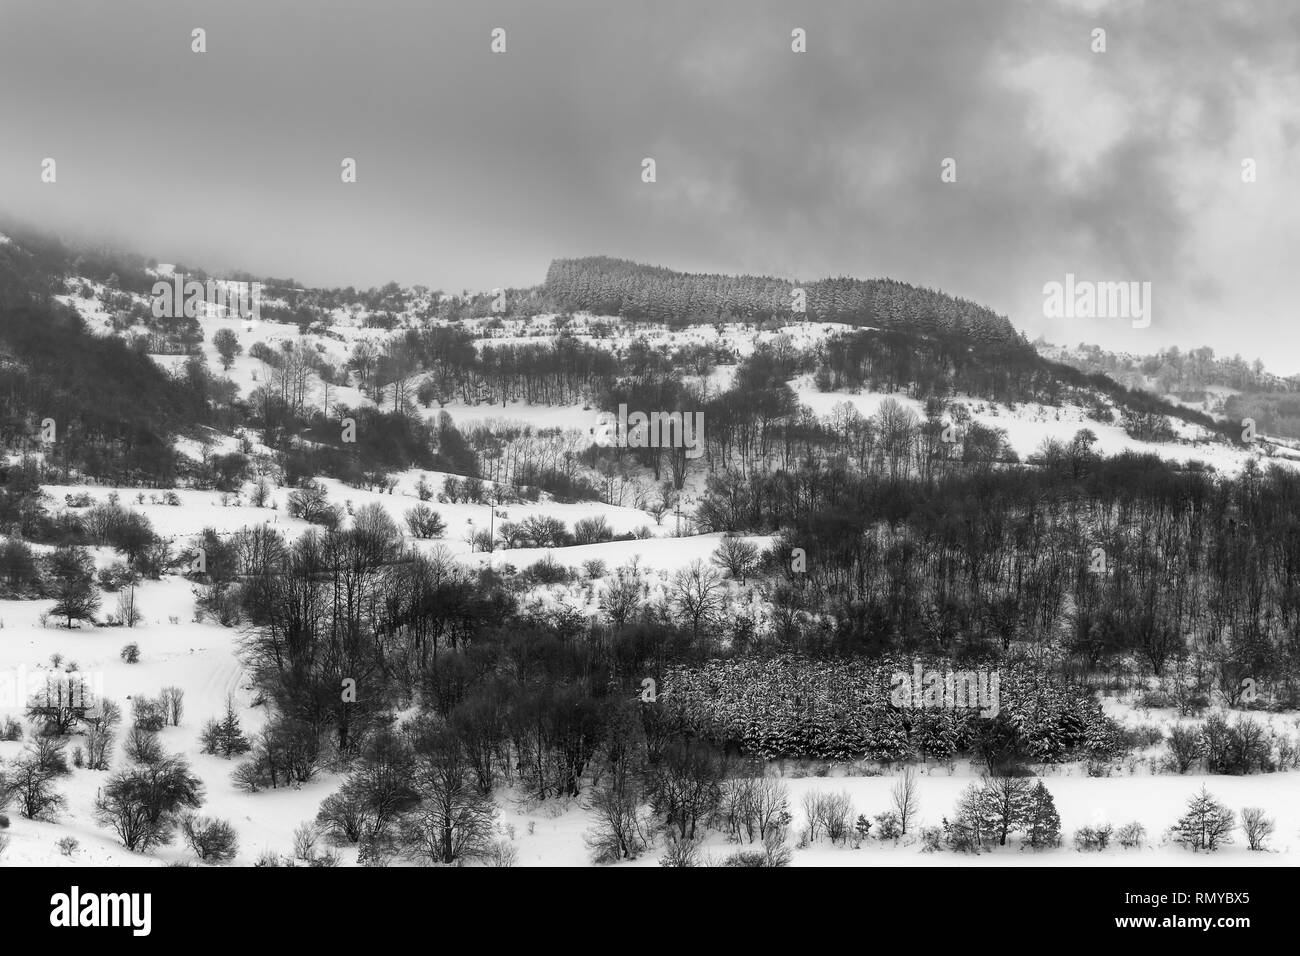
629 434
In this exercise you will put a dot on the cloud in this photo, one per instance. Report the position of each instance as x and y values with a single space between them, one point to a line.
476 169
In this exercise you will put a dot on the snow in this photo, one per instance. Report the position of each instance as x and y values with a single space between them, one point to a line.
203 658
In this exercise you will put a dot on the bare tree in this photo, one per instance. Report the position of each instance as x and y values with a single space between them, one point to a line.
696 595
1257 827
453 821
738 556
907 798
173 704
1005 802
623 594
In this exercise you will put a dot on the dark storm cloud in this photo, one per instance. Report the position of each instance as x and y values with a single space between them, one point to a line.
476 169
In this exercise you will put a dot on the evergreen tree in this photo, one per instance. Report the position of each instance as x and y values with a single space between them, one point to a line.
1206 825
1042 822
225 737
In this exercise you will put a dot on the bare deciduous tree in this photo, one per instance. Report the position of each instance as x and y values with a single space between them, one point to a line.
907 798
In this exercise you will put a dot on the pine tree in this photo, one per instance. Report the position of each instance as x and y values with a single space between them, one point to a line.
1042 822
1206 825
225 737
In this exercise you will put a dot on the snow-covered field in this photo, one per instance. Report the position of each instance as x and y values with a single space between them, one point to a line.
202 659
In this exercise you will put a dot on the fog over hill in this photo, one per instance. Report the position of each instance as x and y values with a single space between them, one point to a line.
646 434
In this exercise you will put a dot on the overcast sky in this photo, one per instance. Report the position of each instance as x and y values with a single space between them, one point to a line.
476 169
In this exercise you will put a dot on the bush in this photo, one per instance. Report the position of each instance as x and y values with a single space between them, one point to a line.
311 503
424 522
681 851
826 814
931 839
117 576
1257 827
1155 700
130 653
148 714
746 858
1184 746
775 853
1131 835
1239 748
593 530
31 787
68 846
142 746
1140 737
11 729
342 817
888 826
547 571
141 804
1092 838
212 840
501 853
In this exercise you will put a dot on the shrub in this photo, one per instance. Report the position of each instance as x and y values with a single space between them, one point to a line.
311 503
888 826
826 814
931 839
31 787
148 714
681 852
117 576
141 804
547 571
1140 737
1092 838
130 653
1131 835
342 816
1184 746
593 530
142 746
424 522
1257 827
212 840
1238 748
501 853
